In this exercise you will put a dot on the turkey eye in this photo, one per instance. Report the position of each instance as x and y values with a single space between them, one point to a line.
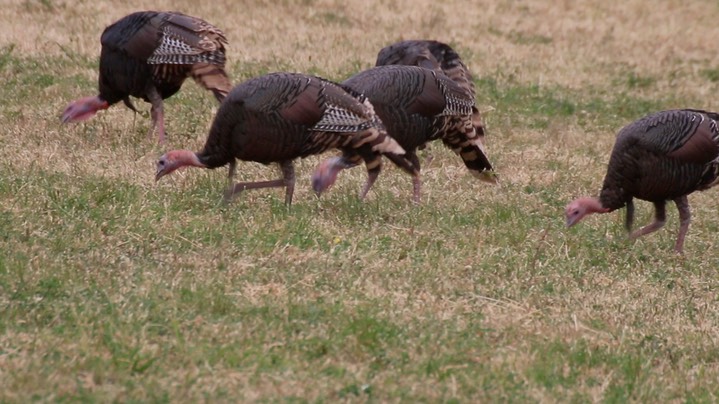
161 163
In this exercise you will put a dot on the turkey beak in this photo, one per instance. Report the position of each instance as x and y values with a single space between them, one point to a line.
317 183
82 109
71 111
325 175
572 220
159 174
161 170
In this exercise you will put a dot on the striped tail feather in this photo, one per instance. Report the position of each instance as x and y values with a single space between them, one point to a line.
475 159
469 146
403 162
477 122
381 143
384 144
213 78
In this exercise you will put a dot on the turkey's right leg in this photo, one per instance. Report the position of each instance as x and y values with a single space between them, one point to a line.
157 114
231 172
685 217
629 218
416 181
660 217
288 178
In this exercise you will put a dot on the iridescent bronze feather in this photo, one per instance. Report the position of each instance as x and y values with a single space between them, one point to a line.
283 116
149 55
662 157
416 105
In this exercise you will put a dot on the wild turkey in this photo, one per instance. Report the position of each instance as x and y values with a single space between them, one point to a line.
417 105
282 116
437 56
149 55
663 156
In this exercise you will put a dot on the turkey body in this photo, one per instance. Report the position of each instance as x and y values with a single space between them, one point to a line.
149 55
418 105
282 116
436 56
662 157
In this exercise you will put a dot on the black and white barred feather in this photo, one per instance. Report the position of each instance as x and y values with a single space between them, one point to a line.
283 116
418 105
161 49
437 56
429 54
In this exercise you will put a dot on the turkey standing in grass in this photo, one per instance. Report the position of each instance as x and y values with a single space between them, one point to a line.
661 157
149 55
417 105
437 56
282 116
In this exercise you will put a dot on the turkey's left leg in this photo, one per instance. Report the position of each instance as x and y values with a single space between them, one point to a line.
372 161
287 180
416 180
660 217
685 217
231 172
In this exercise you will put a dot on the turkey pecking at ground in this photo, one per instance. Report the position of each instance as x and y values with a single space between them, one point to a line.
149 55
416 105
437 56
663 156
281 116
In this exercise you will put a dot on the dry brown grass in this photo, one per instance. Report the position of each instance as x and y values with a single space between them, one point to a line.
478 294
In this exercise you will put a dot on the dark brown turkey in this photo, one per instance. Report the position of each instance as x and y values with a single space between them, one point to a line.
282 116
417 105
437 56
149 55
662 157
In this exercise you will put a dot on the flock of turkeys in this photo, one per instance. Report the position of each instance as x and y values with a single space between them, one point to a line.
418 91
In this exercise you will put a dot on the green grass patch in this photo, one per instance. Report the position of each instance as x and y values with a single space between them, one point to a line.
116 288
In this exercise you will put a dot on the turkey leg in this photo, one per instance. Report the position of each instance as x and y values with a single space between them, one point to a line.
372 174
157 114
416 181
629 218
287 180
373 163
685 217
660 217
231 172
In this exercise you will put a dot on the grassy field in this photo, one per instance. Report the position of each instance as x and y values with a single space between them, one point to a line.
115 288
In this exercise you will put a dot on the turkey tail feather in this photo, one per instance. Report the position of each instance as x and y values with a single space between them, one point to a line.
477 122
213 78
403 162
475 159
387 146
469 146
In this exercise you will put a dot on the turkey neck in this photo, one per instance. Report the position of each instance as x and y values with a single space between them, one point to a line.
615 190
219 148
